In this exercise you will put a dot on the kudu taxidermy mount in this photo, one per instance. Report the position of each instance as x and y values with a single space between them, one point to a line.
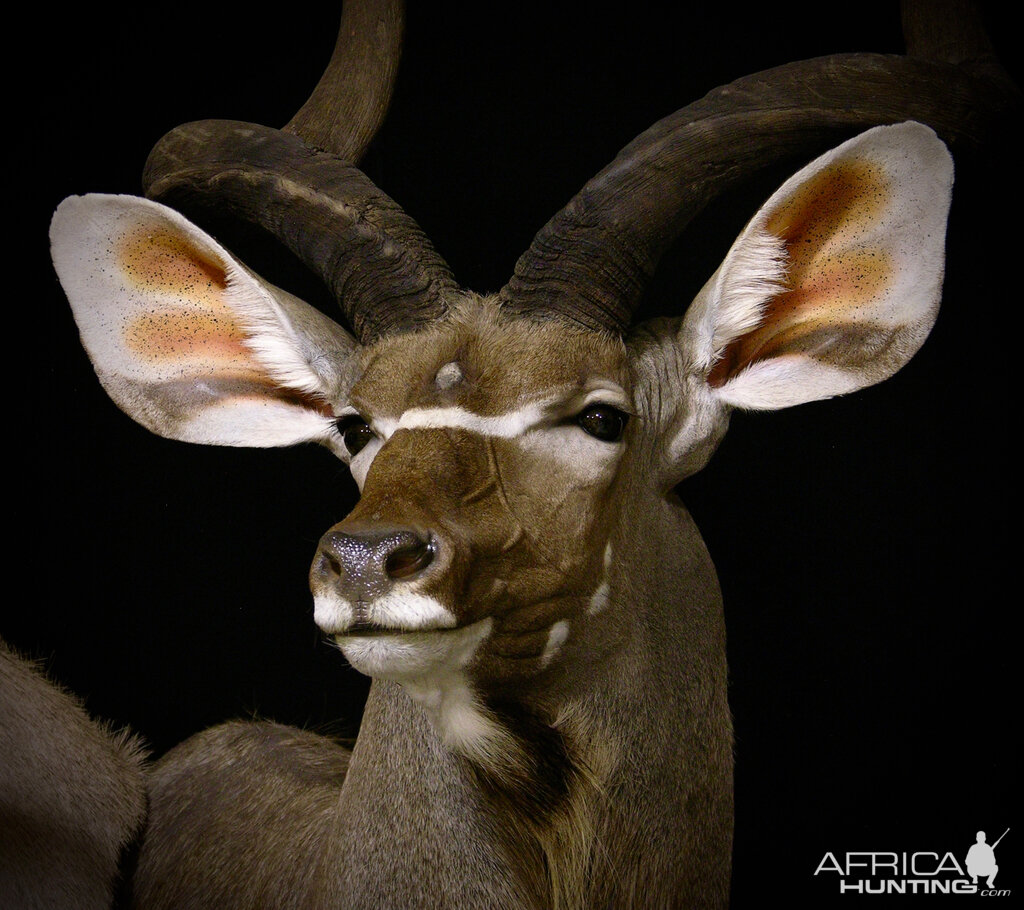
548 723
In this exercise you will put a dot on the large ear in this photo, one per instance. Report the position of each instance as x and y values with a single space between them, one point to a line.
187 340
835 282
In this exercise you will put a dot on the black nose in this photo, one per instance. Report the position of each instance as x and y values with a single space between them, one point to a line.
364 563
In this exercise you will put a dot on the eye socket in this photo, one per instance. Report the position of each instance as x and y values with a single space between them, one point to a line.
603 422
354 432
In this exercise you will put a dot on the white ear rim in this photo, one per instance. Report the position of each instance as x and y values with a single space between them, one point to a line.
920 166
293 343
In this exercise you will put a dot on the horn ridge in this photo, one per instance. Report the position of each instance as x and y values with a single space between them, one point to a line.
373 257
591 263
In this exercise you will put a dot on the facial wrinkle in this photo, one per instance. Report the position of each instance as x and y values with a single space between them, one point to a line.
520 531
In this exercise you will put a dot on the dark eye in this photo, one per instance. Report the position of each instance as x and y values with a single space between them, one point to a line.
354 431
602 421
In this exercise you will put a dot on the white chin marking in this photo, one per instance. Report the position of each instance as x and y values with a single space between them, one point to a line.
430 666
418 660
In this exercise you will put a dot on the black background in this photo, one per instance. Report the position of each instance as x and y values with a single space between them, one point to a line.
867 546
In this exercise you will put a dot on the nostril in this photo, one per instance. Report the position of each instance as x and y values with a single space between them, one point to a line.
329 562
333 564
409 560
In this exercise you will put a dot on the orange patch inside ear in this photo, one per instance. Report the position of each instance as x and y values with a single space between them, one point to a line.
185 334
161 261
840 199
200 326
830 274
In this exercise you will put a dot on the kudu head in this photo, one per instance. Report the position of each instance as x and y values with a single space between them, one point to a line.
516 452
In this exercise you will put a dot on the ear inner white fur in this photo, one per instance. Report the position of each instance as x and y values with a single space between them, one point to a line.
836 281
184 338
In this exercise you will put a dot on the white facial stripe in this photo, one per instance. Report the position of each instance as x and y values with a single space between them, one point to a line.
589 458
504 426
511 423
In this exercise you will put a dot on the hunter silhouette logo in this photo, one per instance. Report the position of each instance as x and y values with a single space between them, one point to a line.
920 872
981 859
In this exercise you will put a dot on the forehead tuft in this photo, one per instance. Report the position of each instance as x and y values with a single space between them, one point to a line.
484 361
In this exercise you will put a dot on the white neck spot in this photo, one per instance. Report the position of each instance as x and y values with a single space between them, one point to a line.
557 636
600 598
